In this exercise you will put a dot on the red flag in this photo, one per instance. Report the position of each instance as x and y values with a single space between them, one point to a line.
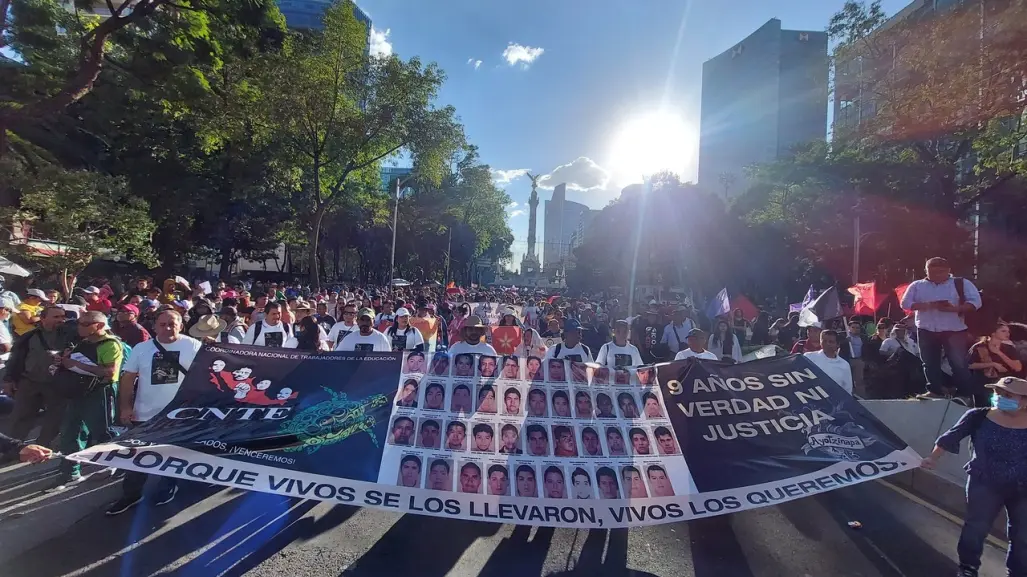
899 292
506 339
866 298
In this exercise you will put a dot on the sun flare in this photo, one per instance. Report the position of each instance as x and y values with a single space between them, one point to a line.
651 143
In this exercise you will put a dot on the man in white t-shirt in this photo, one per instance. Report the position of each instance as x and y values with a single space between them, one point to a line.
270 332
696 341
471 333
347 324
828 360
160 365
367 338
571 347
619 353
7 308
675 333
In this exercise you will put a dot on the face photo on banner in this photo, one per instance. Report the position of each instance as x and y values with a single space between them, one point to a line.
591 446
486 399
435 396
604 406
498 480
554 482
414 363
402 431
639 442
483 437
582 404
581 483
461 399
579 373
538 440
463 365
409 471
537 402
440 475
615 445
526 481
534 369
561 404
407 396
634 485
488 367
557 371
429 434
607 483
621 377
512 401
666 444
651 407
510 440
645 376
511 369
470 477
440 364
628 405
564 442
659 481
601 376
456 436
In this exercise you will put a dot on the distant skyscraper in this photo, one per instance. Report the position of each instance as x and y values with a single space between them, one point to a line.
308 13
759 99
389 174
562 221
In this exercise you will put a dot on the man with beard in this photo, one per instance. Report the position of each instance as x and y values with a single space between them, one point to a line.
366 339
472 332
402 431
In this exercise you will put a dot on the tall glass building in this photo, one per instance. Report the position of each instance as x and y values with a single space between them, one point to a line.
307 13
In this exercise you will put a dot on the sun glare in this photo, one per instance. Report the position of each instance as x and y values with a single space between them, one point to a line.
652 143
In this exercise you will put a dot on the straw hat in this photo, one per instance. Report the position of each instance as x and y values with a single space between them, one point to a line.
207 326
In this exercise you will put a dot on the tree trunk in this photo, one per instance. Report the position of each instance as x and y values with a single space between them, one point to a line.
226 262
314 237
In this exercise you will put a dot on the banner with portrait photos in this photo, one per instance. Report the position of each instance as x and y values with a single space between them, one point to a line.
510 439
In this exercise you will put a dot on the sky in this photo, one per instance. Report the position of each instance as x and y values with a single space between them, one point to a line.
572 89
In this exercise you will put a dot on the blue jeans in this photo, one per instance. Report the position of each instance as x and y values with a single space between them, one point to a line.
955 345
983 504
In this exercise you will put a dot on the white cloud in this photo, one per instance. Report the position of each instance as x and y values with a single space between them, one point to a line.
511 206
475 63
379 42
517 213
580 174
505 177
525 55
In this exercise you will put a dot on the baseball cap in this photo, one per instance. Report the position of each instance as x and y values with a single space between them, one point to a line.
91 290
571 325
36 293
130 308
653 303
369 313
403 312
1011 384
695 333
149 304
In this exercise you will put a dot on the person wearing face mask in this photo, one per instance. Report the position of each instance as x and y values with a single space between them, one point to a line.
366 338
996 474
471 333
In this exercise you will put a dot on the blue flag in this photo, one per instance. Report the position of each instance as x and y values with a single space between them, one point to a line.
720 305
809 298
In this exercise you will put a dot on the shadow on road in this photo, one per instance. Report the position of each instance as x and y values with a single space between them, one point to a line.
715 548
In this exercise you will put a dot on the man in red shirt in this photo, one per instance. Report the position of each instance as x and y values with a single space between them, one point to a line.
127 327
96 301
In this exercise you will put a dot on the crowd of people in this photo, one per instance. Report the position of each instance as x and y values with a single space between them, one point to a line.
80 366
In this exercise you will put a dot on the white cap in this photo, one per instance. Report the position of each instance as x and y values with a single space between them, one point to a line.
402 312
653 303
36 293
7 304
92 290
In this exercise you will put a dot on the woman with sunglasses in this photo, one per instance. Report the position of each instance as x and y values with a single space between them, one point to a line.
996 474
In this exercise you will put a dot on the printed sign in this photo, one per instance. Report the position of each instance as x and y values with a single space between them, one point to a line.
510 439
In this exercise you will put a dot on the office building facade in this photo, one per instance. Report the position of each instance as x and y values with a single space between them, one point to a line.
308 13
563 221
760 98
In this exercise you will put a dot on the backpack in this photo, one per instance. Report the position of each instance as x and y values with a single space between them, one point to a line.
978 322
584 347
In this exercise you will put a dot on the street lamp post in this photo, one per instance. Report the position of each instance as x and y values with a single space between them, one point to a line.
858 239
395 219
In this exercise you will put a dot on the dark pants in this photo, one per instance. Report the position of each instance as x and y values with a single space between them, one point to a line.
132 486
29 398
983 504
955 345
87 421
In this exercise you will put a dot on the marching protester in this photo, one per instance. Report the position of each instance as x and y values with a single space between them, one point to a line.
88 378
149 381
403 336
724 343
856 345
829 361
273 331
902 367
30 377
347 325
809 343
125 326
471 334
234 328
619 353
995 474
645 332
212 329
939 302
571 348
366 338
696 347
307 336
676 331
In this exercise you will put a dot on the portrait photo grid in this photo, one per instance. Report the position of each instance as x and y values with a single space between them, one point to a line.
510 426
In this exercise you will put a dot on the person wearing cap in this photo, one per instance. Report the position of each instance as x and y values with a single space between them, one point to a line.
8 295
270 332
366 338
571 349
619 353
126 327
27 315
96 300
403 336
675 333
303 310
646 332
996 474
695 342
471 339
939 302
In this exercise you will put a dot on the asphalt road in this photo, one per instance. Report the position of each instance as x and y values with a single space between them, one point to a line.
209 531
